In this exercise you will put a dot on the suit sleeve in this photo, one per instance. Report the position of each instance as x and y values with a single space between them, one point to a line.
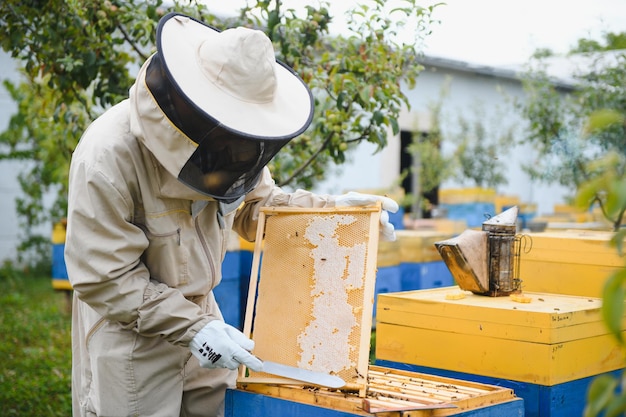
267 193
103 257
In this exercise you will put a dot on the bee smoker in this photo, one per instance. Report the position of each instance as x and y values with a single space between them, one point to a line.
503 253
486 262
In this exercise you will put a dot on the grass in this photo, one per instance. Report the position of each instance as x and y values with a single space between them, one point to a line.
35 347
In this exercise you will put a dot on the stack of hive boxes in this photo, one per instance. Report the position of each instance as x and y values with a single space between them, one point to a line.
468 204
547 348
547 343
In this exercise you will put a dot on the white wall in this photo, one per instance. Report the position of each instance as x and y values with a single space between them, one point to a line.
364 169
9 187
466 91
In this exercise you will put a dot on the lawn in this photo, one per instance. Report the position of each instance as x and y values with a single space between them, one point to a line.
35 347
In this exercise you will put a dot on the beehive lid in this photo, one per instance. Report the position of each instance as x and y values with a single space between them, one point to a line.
538 317
310 303
574 247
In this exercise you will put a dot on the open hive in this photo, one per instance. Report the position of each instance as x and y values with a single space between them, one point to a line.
310 306
392 392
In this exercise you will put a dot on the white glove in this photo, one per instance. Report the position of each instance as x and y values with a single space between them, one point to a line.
219 345
353 198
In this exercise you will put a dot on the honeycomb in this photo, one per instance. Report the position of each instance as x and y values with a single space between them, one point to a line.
314 293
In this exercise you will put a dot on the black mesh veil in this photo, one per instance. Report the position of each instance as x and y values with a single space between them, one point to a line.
226 163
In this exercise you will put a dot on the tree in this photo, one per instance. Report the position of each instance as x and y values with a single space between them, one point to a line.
565 128
479 148
79 58
582 143
606 395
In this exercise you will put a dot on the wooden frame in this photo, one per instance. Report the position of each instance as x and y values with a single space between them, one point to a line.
311 296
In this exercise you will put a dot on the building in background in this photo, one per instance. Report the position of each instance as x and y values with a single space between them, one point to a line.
468 87
9 185
472 91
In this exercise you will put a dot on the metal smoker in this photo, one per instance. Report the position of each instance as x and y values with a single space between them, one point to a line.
486 262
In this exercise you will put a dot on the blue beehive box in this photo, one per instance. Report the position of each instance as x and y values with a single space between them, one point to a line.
228 293
561 400
388 279
473 205
474 214
424 275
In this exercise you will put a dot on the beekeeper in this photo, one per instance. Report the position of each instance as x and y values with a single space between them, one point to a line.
156 184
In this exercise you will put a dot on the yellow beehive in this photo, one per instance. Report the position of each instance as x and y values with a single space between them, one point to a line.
569 262
388 253
544 339
467 195
503 202
419 245
575 214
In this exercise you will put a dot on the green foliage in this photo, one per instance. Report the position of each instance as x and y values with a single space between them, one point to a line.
607 394
607 186
582 135
479 147
434 167
355 78
79 58
612 41
604 398
35 348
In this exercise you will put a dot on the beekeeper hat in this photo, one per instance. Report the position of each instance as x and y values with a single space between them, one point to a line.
233 77
228 94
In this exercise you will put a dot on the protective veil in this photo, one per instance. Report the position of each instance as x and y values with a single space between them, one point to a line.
232 99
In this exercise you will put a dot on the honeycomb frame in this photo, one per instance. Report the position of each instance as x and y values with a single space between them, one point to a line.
311 296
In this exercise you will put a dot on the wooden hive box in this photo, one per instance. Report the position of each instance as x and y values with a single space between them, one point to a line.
550 340
569 262
419 245
548 350
310 305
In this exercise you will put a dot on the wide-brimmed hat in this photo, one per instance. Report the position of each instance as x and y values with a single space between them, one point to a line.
233 77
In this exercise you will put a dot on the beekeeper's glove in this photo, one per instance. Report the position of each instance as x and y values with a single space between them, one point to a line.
219 345
389 205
